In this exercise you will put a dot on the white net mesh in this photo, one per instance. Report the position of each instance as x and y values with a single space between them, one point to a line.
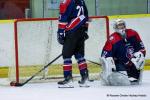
37 46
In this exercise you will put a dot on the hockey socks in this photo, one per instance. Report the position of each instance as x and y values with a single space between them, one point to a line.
84 72
68 80
84 82
67 68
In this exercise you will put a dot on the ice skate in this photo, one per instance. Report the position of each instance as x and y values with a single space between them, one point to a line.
66 83
84 80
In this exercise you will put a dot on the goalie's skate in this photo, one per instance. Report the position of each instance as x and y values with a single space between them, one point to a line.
138 79
134 81
66 83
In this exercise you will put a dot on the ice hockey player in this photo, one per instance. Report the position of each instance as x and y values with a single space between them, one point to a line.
72 33
122 57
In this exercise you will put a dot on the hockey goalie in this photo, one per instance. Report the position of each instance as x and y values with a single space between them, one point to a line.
123 57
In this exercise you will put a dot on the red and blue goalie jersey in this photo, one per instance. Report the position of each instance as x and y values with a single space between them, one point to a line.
73 14
121 50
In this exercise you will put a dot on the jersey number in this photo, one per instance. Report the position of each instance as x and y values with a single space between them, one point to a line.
80 10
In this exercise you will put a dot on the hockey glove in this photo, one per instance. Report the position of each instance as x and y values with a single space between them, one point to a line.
61 36
86 31
86 36
138 60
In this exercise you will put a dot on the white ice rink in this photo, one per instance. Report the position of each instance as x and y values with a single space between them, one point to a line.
49 91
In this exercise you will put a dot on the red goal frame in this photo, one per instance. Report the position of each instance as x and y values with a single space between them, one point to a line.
39 19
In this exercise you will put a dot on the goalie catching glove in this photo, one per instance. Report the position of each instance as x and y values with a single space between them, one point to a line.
138 60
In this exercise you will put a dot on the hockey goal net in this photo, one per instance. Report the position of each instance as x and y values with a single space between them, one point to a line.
36 45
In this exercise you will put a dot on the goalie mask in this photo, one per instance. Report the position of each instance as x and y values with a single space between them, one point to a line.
120 27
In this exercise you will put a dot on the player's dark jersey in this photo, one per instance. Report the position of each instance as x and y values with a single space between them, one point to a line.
73 14
122 49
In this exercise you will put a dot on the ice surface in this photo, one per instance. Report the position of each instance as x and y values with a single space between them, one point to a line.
50 91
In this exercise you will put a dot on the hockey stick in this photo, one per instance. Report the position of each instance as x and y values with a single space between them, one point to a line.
93 62
22 84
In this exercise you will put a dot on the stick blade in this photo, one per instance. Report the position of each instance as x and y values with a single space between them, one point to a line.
16 84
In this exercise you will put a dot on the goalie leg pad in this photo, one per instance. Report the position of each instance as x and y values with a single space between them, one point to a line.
107 66
118 79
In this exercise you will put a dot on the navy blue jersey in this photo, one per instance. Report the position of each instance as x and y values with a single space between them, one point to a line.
122 50
73 14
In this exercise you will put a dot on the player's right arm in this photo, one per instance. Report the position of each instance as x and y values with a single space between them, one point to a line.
64 12
107 60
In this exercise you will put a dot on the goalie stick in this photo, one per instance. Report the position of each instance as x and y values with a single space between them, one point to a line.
22 84
93 62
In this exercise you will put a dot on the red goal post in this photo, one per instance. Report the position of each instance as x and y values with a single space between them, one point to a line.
35 44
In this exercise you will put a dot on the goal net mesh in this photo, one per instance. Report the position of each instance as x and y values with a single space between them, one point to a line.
36 45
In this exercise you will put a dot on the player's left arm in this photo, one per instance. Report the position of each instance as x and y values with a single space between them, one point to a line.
139 45
86 26
138 58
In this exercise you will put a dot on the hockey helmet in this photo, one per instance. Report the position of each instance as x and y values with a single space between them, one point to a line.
120 27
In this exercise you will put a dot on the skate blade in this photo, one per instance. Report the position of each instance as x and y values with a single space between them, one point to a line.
68 85
65 86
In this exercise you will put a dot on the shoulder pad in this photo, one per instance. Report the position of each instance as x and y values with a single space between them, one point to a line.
114 38
131 32
63 5
111 38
